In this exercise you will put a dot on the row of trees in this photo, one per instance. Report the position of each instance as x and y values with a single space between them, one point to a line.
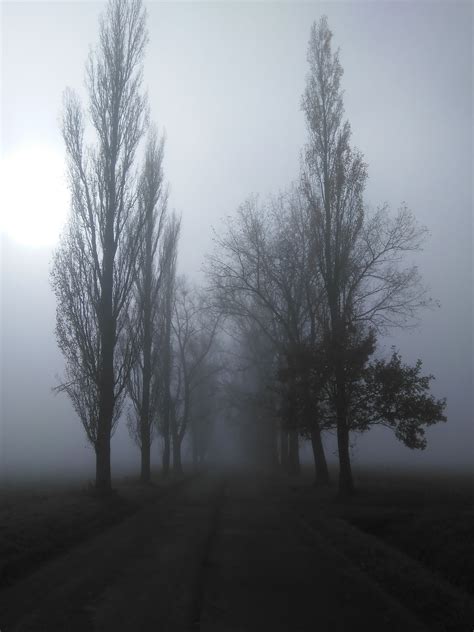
306 283
129 330
321 279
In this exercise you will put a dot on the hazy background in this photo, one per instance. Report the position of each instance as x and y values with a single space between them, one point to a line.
225 82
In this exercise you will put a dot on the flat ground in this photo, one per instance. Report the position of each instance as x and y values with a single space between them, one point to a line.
39 521
429 515
231 553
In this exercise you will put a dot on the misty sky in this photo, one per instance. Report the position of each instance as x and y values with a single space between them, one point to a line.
225 82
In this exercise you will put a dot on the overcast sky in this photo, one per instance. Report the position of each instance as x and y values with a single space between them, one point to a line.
225 82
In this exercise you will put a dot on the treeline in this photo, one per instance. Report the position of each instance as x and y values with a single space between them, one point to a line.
301 286
310 280
134 336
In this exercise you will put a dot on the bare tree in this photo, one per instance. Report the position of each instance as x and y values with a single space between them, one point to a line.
194 327
358 257
94 266
205 407
244 272
251 397
261 270
166 296
143 385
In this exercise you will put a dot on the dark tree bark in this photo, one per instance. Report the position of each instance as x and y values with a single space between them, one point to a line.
346 482
167 394
102 456
294 468
284 449
166 458
145 464
320 464
194 446
177 464
106 387
273 446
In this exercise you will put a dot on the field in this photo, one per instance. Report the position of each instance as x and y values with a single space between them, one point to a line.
39 521
411 531
429 516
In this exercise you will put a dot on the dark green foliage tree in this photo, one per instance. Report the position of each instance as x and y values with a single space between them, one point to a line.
397 396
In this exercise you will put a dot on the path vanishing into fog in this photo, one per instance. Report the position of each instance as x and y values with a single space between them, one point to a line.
218 554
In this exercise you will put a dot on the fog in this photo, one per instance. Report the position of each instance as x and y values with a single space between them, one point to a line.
225 83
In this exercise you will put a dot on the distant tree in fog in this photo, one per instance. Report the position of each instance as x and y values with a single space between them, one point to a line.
144 381
248 394
166 298
205 407
262 270
194 327
95 264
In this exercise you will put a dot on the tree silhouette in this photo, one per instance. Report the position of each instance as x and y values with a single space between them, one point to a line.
194 327
357 256
94 266
144 383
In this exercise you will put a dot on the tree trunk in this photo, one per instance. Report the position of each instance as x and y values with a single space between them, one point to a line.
106 383
320 465
195 453
145 472
166 452
293 454
167 397
103 480
178 433
177 465
346 482
166 426
273 448
145 430
292 424
284 449
195 443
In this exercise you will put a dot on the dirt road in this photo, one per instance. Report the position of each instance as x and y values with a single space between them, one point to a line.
219 554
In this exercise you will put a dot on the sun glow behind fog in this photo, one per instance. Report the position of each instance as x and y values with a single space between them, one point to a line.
34 198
